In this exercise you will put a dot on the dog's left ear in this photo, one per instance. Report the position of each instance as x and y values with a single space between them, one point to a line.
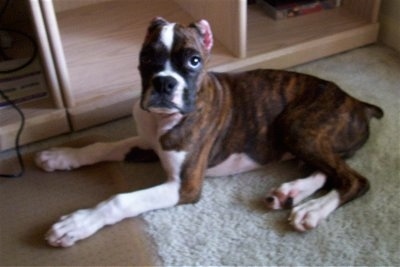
204 29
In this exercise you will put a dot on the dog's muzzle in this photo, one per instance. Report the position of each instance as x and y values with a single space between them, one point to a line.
164 95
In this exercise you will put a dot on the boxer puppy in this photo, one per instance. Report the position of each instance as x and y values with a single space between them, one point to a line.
200 123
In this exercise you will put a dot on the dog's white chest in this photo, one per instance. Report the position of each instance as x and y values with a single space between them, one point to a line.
235 163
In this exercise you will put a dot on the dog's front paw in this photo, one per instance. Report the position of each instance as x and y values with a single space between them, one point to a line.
72 228
57 159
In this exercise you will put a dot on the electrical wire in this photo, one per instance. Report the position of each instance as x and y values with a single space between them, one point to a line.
17 139
32 57
8 100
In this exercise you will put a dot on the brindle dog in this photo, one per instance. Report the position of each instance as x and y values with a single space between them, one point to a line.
202 123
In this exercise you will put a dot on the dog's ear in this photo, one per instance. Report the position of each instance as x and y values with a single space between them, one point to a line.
154 24
203 27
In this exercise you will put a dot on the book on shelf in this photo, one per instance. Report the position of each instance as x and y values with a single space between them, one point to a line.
24 85
283 9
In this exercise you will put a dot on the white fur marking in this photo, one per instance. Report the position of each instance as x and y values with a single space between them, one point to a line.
172 162
177 99
65 158
167 35
308 215
235 163
178 94
151 126
83 223
298 190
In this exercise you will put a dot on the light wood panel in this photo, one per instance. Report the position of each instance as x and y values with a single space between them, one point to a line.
367 9
266 34
307 51
228 20
57 50
46 57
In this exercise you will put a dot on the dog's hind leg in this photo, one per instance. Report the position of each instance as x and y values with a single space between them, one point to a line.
344 183
65 158
322 129
292 193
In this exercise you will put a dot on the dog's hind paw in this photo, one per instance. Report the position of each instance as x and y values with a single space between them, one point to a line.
292 193
280 198
309 214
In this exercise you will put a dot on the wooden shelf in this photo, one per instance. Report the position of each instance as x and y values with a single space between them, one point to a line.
266 35
284 43
44 117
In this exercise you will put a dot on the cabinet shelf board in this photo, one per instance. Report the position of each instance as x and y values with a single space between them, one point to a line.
266 35
9 115
42 120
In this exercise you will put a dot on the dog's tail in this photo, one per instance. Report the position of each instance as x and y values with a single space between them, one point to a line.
373 111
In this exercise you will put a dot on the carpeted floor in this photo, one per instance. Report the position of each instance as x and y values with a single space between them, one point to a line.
230 226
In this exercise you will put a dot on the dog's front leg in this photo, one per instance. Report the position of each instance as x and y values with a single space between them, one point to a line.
66 158
83 223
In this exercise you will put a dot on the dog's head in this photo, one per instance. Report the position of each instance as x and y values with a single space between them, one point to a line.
171 65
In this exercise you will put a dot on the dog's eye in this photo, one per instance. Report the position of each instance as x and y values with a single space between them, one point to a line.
194 62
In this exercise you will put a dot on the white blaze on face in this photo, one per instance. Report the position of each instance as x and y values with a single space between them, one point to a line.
167 39
167 36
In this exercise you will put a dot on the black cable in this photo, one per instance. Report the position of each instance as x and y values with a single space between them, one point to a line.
8 100
17 138
34 53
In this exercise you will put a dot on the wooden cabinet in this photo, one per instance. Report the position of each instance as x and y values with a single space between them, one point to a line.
45 117
95 44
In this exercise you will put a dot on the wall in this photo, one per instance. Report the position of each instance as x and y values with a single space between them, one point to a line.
390 23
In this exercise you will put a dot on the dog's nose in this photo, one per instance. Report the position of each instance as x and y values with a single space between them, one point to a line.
164 84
